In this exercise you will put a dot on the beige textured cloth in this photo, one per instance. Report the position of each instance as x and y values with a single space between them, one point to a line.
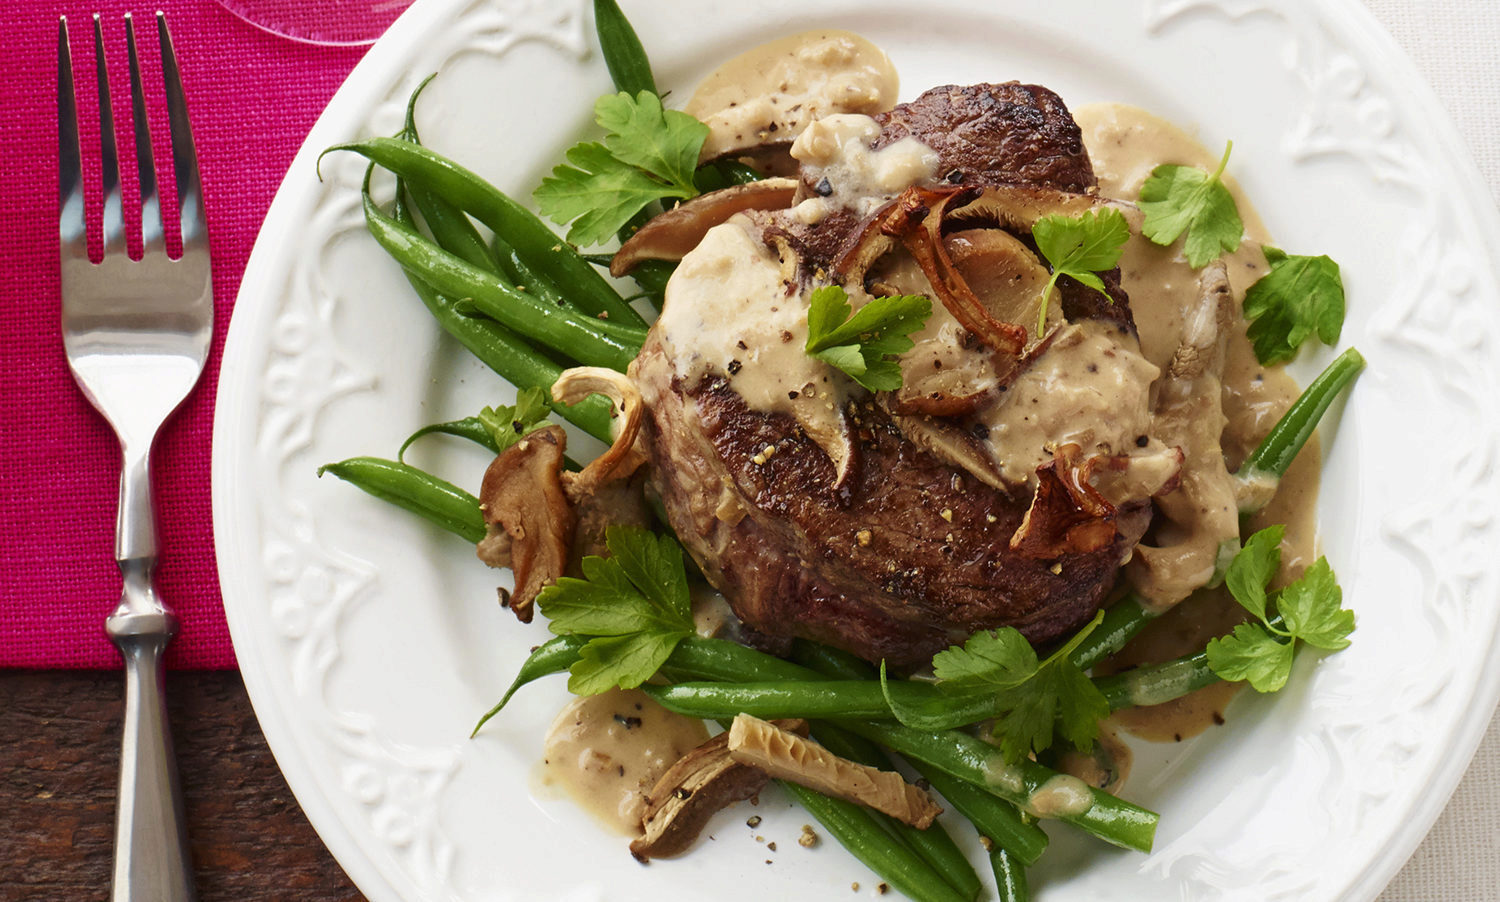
1456 46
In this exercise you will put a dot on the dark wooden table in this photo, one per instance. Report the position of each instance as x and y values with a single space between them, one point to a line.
59 760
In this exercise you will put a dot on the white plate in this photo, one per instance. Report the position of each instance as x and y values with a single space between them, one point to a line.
369 642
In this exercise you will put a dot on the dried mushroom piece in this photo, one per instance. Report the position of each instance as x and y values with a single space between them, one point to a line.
622 458
672 234
693 789
530 520
787 756
1067 514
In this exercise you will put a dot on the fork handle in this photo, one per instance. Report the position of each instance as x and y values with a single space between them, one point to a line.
151 850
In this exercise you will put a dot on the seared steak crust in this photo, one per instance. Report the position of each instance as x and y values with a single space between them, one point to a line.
995 134
902 559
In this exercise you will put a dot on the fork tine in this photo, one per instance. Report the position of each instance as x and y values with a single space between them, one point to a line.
184 157
72 227
109 159
151 224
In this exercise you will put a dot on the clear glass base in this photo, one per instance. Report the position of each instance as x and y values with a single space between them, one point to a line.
328 22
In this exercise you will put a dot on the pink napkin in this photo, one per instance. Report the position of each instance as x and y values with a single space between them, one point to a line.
252 97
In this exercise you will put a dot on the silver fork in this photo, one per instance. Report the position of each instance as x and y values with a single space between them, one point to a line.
136 335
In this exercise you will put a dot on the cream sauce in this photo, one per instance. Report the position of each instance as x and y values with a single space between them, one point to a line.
1125 143
1090 388
1060 796
835 155
771 92
730 309
606 752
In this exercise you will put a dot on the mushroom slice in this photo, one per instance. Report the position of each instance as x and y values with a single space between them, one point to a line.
622 457
1067 514
787 756
530 520
941 375
1019 207
672 234
698 785
952 445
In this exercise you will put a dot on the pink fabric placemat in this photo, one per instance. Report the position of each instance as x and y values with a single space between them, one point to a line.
252 97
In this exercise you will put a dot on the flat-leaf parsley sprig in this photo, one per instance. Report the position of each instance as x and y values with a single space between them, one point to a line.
649 153
1179 199
634 605
1300 297
1079 247
865 344
1033 699
1310 610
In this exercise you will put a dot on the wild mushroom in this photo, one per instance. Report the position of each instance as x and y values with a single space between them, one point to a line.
1200 527
693 789
941 376
530 520
787 756
622 458
1067 514
672 234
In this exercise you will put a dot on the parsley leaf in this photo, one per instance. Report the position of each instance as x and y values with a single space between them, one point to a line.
1251 570
1250 653
1299 297
648 153
1313 608
1079 246
864 345
507 424
634 603
1310 609
1031 700
1179 199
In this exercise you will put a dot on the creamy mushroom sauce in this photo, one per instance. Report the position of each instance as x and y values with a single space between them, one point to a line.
1125 143
606 751
836 157
769 93
730 310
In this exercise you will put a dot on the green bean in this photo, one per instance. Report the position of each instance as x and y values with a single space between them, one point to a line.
995 818
992 817
590 341
856 828
553 656
496 346
1156 683
468 427
434 499
832 662
652 276
1276 452
452 230
1124 619
934 844
1010 876
1112 819
623 54
539 245
1153 684
523 275
720 659
920 704
723 174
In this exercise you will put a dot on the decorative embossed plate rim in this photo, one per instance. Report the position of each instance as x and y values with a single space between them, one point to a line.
366 641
